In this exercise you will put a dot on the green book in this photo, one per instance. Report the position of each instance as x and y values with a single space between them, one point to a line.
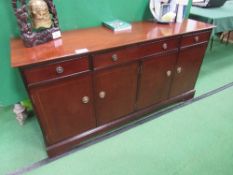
117 25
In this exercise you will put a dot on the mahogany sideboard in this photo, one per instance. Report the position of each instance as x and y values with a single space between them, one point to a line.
94 80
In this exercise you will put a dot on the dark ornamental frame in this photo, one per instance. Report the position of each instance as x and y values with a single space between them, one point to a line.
31 38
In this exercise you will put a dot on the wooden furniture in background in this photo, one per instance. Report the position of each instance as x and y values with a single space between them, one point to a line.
93 80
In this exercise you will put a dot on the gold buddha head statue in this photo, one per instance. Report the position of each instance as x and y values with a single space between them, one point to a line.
40 14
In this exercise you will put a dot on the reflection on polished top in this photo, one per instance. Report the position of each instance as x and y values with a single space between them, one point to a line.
88 40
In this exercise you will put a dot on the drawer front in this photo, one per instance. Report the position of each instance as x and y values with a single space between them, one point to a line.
55 70
195 38
126 54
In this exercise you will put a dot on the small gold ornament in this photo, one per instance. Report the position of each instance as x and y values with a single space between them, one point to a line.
40 14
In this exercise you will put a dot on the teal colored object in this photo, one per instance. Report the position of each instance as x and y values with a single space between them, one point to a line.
117 25
188 9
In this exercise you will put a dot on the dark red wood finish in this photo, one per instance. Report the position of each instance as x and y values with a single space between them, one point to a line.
60 108
120 85
194 38
65 145
133 53
119 78
189 63
49 71
155 79
97 39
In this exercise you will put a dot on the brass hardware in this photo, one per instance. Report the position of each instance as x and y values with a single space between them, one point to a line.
169 73
114 57
59 69
102 94
85 99
179 70
164 46
196 38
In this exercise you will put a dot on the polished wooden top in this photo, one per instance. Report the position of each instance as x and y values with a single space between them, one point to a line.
99 38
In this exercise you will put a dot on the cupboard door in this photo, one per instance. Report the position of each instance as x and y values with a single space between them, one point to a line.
115 92
64 107
155 78
187 69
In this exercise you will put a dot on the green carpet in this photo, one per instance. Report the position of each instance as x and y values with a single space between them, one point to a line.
217 68
23 145
20 145
196 139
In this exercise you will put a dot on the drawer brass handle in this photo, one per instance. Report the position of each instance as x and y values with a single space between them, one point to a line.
102 94
169 73
196 38
85 99
165 46
179 70
59 69
114 57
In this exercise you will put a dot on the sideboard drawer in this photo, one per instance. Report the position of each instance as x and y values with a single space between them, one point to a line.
122 55
194 38
114 57
165 45
55 70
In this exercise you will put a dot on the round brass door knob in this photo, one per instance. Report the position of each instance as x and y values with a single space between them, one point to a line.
179 70
102 94
169 73
85 99
165 46
59 69
114 57
196 38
